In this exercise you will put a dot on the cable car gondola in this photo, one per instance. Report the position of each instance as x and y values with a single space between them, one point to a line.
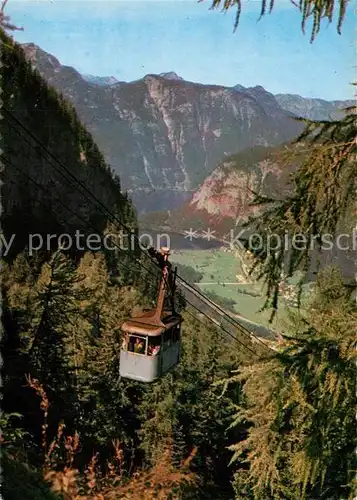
151 341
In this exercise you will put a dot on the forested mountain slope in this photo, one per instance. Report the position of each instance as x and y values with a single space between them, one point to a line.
223 202
38 194
68 419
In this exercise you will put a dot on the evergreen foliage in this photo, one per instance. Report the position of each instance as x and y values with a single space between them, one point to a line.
301 406
87 431
321 203
67 322
189 274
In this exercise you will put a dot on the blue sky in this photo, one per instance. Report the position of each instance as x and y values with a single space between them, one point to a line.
128 39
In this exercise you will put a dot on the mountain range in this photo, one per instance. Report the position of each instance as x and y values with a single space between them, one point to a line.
164 136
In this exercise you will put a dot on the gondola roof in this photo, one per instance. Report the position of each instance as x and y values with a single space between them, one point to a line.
150 324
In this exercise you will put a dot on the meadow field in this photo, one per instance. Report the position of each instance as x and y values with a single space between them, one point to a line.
224 277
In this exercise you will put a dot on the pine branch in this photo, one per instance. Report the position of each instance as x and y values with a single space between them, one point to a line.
323 196
5 20
315 9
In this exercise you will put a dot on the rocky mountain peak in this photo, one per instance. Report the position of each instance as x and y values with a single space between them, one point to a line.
171 75
239 88
34 53
313 108
101 80
257 88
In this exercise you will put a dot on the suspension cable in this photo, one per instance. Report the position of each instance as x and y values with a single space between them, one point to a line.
221 311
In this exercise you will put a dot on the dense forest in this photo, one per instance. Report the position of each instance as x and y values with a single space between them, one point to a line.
230 422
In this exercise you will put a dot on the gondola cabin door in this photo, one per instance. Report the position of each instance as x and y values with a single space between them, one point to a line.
137 360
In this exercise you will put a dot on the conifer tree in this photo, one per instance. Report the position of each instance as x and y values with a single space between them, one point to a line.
185 410
50 307
105 403
324 187
322 202
301 406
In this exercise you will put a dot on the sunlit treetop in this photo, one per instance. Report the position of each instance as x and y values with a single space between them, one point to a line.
310 9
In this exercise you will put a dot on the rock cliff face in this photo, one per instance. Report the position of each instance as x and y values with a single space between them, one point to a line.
304 107
227 192
222 202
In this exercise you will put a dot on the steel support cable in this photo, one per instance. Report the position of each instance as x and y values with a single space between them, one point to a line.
217 324
53 157
92 196
213 305
82 219
107 212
